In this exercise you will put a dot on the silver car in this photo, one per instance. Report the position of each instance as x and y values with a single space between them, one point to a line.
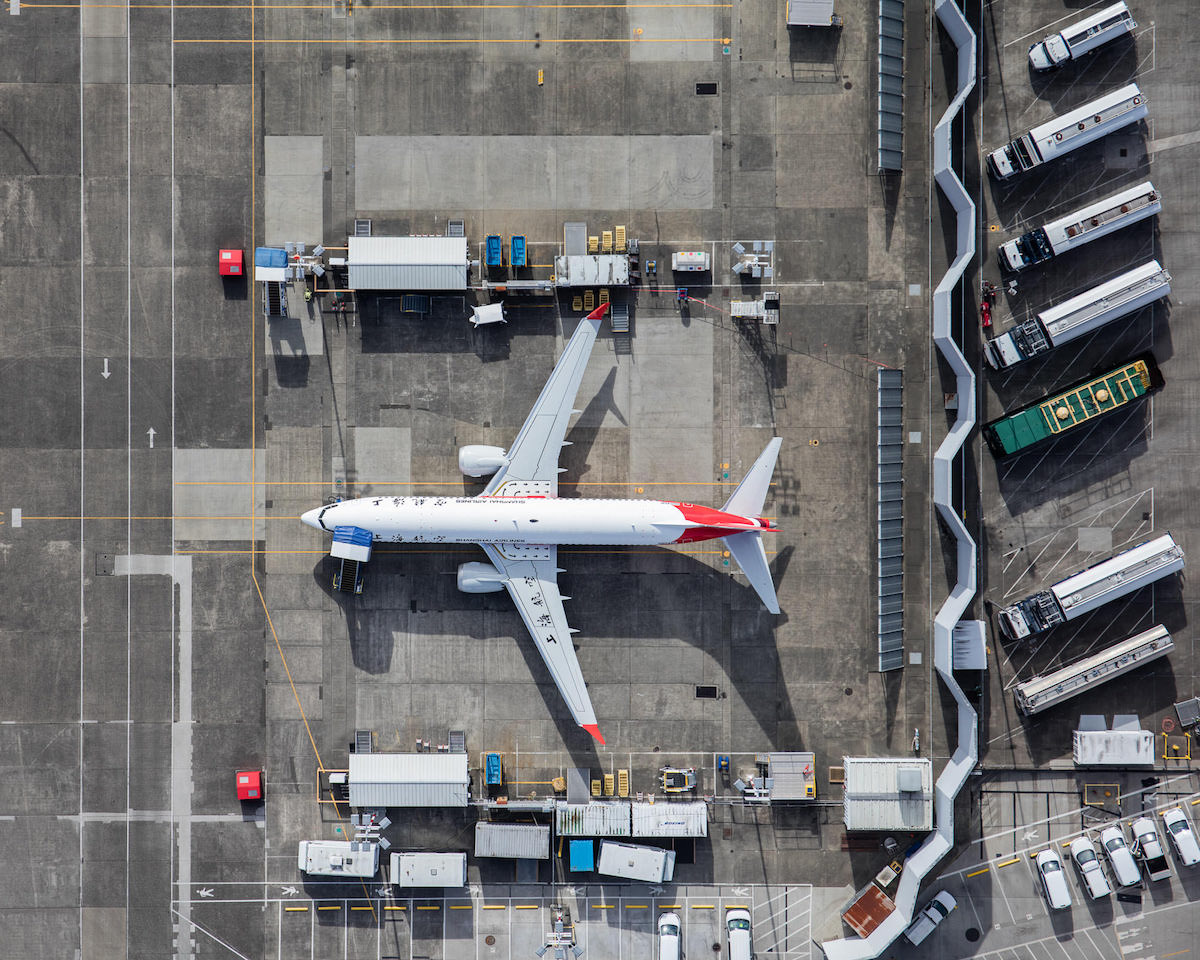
1091 873
1120 858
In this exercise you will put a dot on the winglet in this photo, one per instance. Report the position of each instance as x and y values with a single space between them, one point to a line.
594 728
598 314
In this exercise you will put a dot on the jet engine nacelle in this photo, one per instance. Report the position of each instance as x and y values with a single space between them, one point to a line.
479 578
477 460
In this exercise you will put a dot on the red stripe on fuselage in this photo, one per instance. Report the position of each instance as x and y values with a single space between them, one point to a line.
711 524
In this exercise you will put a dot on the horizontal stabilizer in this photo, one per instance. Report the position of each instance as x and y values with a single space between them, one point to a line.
748 498
748 550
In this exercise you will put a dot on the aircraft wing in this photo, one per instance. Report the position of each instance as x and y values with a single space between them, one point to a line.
531 576
533 457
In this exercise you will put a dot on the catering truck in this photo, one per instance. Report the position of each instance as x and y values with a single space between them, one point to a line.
1081 38
1089 589
1061 135
1083 226
1081 314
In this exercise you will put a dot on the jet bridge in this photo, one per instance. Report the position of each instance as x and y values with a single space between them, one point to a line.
351 545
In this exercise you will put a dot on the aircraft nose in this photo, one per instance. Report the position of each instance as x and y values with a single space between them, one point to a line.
312 519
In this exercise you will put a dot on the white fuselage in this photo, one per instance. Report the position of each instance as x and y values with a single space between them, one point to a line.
548 520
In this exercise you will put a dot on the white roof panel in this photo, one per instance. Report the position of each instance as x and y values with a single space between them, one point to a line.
873 798
409 780
429 869
668 819
408 263
809 13
1113 748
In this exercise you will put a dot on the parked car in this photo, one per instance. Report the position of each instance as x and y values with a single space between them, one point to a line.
1183 837
1054 879
1124 867
668 937
937 910
1148 846
737 929
1091 872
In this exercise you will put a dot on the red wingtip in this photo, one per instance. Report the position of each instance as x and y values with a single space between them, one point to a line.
598 314
594 728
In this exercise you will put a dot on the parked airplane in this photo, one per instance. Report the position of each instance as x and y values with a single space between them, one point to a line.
519 521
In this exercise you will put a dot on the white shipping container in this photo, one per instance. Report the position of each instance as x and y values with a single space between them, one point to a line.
649 864
692 261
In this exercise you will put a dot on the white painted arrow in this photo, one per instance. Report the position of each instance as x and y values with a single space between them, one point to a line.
205 892
151 433
290 891
106 373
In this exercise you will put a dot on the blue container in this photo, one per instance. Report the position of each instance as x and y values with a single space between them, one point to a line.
516 253
495 769
581 857
495 251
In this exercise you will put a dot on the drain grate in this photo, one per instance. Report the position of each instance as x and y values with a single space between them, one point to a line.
706 692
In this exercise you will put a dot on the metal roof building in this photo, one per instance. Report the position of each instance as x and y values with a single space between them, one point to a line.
408 263
601 819
888 793
670 819
409 780
516 841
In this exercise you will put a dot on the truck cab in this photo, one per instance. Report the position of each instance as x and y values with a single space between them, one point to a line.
1049 53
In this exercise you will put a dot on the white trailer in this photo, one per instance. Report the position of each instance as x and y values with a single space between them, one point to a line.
1042 693
650 864
1083 226
339 858
1060 136
1091 588
691 261
1082 38
429 869
1072 318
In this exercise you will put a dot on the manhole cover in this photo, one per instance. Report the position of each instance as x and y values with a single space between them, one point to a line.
491 941
972 934
848 691
716 948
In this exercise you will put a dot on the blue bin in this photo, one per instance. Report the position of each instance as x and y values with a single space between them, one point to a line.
581 857
516 252
495 251
495 769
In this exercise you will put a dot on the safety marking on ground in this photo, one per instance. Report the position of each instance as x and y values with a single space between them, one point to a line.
978 872
1009 863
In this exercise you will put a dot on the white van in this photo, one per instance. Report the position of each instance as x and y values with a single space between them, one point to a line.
939 909
1120 858
1054 879
737 929
668 937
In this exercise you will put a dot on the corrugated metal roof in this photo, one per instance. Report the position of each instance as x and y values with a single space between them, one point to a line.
602 819
517 841
409 780
874 801
1113 748
670 819
408 263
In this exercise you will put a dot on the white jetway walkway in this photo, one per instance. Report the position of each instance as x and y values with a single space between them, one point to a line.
939 843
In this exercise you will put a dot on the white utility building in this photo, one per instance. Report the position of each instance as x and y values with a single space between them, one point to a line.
429 869
888 793
810 13
409 780
408 263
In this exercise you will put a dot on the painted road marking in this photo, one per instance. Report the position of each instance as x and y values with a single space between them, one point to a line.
296 909
1009 863
978 872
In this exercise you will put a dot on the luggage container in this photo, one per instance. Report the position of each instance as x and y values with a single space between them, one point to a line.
516 250
495 251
